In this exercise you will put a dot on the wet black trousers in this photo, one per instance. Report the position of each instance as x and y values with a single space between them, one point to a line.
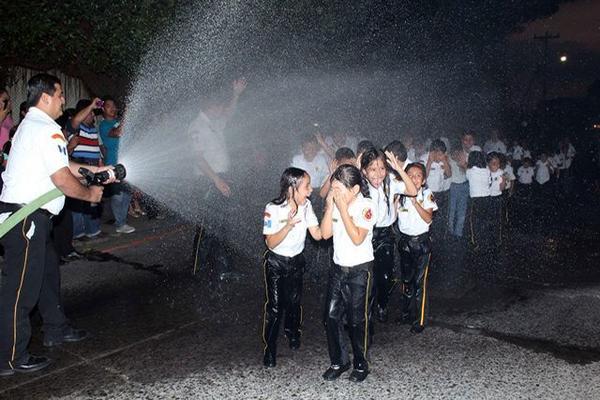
415 254
482 222
283 289
30 277
348 302
383 267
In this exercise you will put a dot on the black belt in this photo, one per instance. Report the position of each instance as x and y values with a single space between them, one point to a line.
416 238
12 207
360 267
271 253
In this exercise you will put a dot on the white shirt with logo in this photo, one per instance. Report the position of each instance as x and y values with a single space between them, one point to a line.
496 178
364 215
275 218
39 149
480 180
317 169
386 214
525 175
409 220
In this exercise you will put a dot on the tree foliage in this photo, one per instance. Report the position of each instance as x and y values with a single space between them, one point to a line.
106 39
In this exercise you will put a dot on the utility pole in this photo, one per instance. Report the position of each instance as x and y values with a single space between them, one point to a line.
544 66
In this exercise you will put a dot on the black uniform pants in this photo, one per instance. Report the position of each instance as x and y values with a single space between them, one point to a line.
383 268
415 254
30 276
348 301
283 288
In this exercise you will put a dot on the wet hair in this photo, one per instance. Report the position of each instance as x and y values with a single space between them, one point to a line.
367 158
419 166
398 149
38 85
363 145
350 176
438 145
344 153
493 155
290 178
476 159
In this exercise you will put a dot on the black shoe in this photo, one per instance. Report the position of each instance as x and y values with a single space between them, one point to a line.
335 371
358 375
294 343
417 328
382 314
70 335
269 360
32 364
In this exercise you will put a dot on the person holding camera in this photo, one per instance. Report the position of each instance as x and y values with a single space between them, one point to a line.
38 163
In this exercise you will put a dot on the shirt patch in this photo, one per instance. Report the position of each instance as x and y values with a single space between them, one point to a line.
58 136
431 198
367 214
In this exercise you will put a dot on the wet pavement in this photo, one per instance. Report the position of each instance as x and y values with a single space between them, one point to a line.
525 326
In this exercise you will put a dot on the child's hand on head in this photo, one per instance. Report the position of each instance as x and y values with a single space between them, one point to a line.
393 161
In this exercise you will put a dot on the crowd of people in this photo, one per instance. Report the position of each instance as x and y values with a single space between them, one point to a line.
93 132
370 199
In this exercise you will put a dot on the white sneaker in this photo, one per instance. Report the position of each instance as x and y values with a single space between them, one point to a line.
125 229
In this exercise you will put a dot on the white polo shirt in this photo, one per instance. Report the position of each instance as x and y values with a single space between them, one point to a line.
386 214
496 179
525 175
436 178
317 169
517 153
542 171
498 147
479 181
345 253
209 140
275 218
38 150
409 220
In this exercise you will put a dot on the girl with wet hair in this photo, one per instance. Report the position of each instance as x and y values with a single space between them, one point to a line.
286 220
349 218
414 218
383 187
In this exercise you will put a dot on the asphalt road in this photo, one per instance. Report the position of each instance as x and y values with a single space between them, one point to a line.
525 326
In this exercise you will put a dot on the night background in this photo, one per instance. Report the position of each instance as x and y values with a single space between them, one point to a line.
518 322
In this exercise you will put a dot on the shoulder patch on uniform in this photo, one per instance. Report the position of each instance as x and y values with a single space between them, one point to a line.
431 197
367 214
58 136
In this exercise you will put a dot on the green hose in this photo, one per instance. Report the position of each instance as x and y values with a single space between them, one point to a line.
26 210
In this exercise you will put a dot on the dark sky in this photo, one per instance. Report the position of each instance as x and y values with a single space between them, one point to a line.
577 22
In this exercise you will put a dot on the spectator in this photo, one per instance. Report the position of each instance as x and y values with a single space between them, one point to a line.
110 133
